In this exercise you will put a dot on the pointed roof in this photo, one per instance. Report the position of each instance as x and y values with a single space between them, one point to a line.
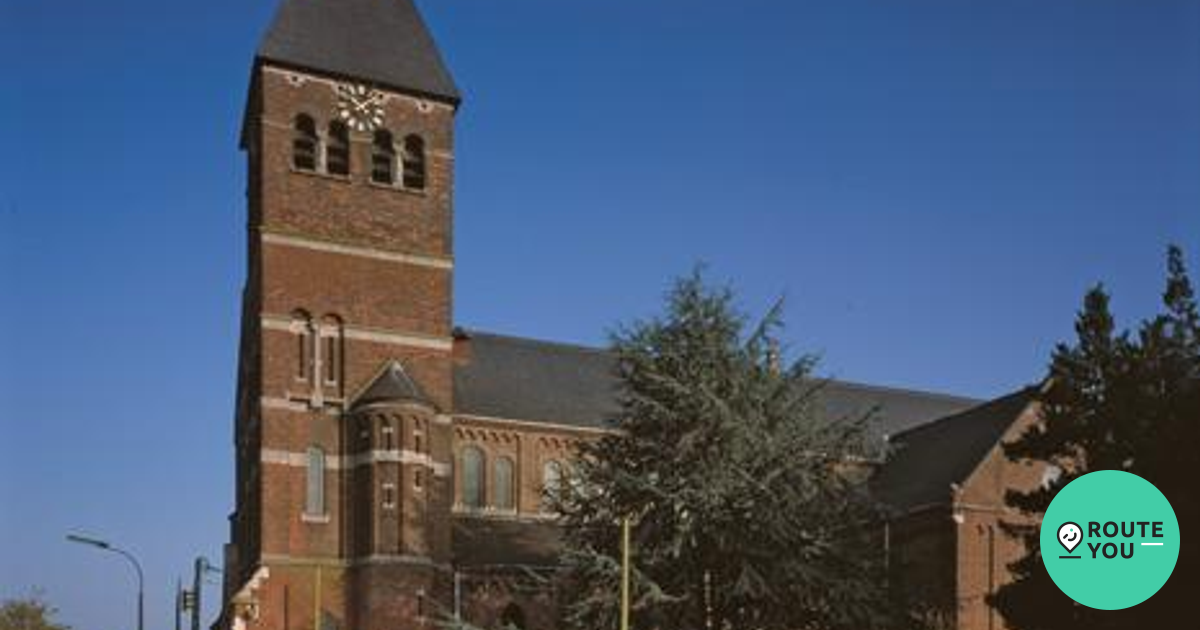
929 458
393 385
377 41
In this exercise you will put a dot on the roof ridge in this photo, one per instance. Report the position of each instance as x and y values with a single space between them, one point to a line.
579 347
891 389
567 345
1028 390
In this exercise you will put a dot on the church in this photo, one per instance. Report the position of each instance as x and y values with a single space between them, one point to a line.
391 466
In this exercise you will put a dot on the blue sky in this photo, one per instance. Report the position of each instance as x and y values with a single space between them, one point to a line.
932 185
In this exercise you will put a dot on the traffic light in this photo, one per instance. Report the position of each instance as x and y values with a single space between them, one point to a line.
187 600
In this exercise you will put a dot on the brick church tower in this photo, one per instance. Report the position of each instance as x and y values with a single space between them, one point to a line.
342 429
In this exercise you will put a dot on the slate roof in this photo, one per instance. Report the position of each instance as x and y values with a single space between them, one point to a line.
896 410
515 378
540 381
383 42
392 385
930 457
526 379
485 542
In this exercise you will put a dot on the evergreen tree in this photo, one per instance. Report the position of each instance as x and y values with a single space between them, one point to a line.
1115 402
747 511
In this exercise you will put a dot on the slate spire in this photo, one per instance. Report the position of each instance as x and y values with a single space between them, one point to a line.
383 42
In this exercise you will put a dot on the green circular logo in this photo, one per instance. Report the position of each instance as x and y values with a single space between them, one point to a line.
1110 540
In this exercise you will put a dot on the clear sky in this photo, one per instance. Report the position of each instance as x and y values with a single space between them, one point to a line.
933 185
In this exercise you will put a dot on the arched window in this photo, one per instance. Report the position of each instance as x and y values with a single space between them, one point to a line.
418 435
388 435
389 496
513 618
502 484
331 350
302 327
414 163
552 479
304 143
472 480
383 158
337 149
314 502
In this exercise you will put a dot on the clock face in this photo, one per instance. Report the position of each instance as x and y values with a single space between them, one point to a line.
360 107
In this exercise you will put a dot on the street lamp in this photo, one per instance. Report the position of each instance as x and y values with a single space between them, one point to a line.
100 544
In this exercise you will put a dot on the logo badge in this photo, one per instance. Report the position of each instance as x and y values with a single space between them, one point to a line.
1120 535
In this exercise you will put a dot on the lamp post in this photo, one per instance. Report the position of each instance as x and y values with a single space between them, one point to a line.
625 573
106 546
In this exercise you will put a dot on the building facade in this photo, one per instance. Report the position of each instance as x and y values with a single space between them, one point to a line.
391 467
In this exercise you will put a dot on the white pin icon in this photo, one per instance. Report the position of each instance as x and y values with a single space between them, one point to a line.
1069 536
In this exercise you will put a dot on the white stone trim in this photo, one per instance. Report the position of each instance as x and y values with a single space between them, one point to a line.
299 405
532 424
496 514
298 78
283 323
434 262
281 457
415 341
282 404
283 559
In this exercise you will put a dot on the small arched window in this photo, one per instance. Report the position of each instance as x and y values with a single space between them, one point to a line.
302 326
513 618
304 143
552 479
337 149
383 158
331 350
414 163
418 435
472 481
314 502
502 484
388 435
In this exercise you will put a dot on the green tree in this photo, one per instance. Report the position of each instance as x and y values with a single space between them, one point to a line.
1115 401
29 613
747 511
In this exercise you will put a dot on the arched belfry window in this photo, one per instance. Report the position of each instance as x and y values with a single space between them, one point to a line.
414 163
304 143
472 477
314 498
337 149
502 484
552 481
383 158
